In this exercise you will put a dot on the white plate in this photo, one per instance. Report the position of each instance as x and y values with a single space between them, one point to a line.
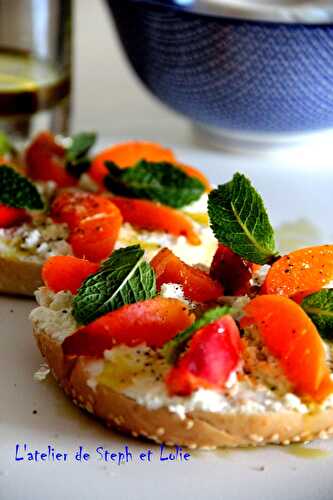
293 189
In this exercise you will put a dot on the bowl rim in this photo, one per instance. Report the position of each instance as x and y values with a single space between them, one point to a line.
277 12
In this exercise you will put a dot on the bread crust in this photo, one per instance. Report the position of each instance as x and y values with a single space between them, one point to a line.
19 277
200 429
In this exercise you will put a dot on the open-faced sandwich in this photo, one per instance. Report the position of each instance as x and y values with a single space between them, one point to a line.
28 236
238 355
49 211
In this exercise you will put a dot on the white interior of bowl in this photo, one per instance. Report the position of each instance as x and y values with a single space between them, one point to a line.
285 11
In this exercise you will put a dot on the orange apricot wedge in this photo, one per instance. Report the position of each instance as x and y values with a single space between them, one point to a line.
94 237
127 155
94 223
197 284
293 339
148 215
72 207
65 272
153 321
306 269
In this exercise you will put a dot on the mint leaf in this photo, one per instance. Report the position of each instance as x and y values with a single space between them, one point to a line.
5 145
81 144
319 306
77 160
173 349
162 182
79 167
17 191
239 220
124 278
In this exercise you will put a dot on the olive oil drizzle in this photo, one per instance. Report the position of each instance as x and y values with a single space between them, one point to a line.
301 451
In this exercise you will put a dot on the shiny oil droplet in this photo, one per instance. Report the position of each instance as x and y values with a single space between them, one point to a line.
299 450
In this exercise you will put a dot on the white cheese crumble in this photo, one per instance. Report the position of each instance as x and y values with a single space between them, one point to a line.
232 380
198 206
88 184
54 314
46 189
36 241
95 369
32 239
329 284
174 291
42 372
259 276
64 141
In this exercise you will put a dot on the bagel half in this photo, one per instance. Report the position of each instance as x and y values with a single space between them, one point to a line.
23 251
200 429
19 277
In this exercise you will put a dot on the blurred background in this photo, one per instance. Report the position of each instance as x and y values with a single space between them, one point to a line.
246 87
107 96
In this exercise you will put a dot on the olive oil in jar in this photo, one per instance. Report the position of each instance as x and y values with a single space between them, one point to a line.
33 95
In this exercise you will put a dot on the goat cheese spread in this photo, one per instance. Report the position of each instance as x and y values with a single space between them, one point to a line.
42 238
54 314
35 242
258 386
153 241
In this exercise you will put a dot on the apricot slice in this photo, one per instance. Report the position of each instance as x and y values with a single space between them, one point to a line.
291 337
197 284
94 237
153 321
94 222
71 207
67 272
305 269
148 215
128 154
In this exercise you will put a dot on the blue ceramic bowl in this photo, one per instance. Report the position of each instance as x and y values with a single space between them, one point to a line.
268 82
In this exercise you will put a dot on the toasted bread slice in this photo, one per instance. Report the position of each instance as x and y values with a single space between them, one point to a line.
19 277
200 429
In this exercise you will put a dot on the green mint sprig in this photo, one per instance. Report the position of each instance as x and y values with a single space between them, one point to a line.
319 306
6 147
124 278
17 191
161 182
239 220
77 159
176 346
